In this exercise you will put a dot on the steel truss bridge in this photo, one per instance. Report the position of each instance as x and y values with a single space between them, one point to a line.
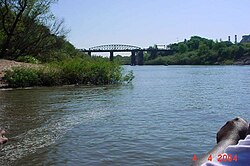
136 52
114 47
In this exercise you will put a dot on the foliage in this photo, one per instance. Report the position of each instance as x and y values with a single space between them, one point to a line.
28 59
128 77
201 51
228 62
156 61
124 60
182 47
22 77
79 70
89 71
28 27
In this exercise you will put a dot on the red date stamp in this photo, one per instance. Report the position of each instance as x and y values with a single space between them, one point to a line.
221 158
227 158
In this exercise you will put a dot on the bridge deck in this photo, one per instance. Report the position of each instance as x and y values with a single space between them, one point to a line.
125 50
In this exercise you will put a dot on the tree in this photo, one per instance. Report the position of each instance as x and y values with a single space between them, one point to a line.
219 45
182 47
193 43
11 12
28 27
153 52
203 49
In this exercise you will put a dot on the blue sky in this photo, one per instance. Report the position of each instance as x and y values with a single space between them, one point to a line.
147 22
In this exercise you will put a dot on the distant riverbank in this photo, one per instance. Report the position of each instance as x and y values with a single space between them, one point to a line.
161 61
199 51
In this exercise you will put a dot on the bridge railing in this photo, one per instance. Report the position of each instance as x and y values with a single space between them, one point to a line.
114 47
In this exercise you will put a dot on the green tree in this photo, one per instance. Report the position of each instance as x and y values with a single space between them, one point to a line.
193 43
174 47
225 53
203 49
152 51
28 27
182 47
219 45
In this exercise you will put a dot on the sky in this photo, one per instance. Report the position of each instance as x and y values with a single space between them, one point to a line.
144 23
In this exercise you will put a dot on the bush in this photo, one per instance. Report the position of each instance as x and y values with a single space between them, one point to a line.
22 77
128 77
50 76
228 62
28 59
87 70
95 71
157 61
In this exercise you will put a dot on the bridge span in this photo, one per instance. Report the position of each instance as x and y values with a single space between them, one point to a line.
137 55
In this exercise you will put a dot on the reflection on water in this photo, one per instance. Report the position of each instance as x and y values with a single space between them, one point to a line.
166 116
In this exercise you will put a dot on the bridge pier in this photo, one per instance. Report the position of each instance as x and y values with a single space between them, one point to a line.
133 59
89 53
140 58
111 55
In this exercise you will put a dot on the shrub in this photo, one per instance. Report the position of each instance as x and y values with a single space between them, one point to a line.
228 62
22 77
158 61
91 71
128 77
28 59
50 76
95 71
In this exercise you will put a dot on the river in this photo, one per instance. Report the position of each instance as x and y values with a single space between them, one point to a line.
168 114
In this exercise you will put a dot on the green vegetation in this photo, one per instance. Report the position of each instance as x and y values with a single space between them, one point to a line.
79 70
157 61
28 59
22 77
30 33
201 51
29 30
125 60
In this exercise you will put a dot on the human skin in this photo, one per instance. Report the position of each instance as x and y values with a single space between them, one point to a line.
3 139
229 134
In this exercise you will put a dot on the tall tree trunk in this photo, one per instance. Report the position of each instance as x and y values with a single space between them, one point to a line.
10 33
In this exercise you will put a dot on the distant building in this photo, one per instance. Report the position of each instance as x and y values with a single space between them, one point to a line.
245 39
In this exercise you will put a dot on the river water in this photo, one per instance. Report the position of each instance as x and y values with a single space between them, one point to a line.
168 114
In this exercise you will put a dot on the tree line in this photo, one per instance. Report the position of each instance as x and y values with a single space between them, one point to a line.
202 51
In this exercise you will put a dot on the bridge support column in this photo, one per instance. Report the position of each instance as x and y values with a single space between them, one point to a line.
133 59
111 56
89 53
153 53
140 58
